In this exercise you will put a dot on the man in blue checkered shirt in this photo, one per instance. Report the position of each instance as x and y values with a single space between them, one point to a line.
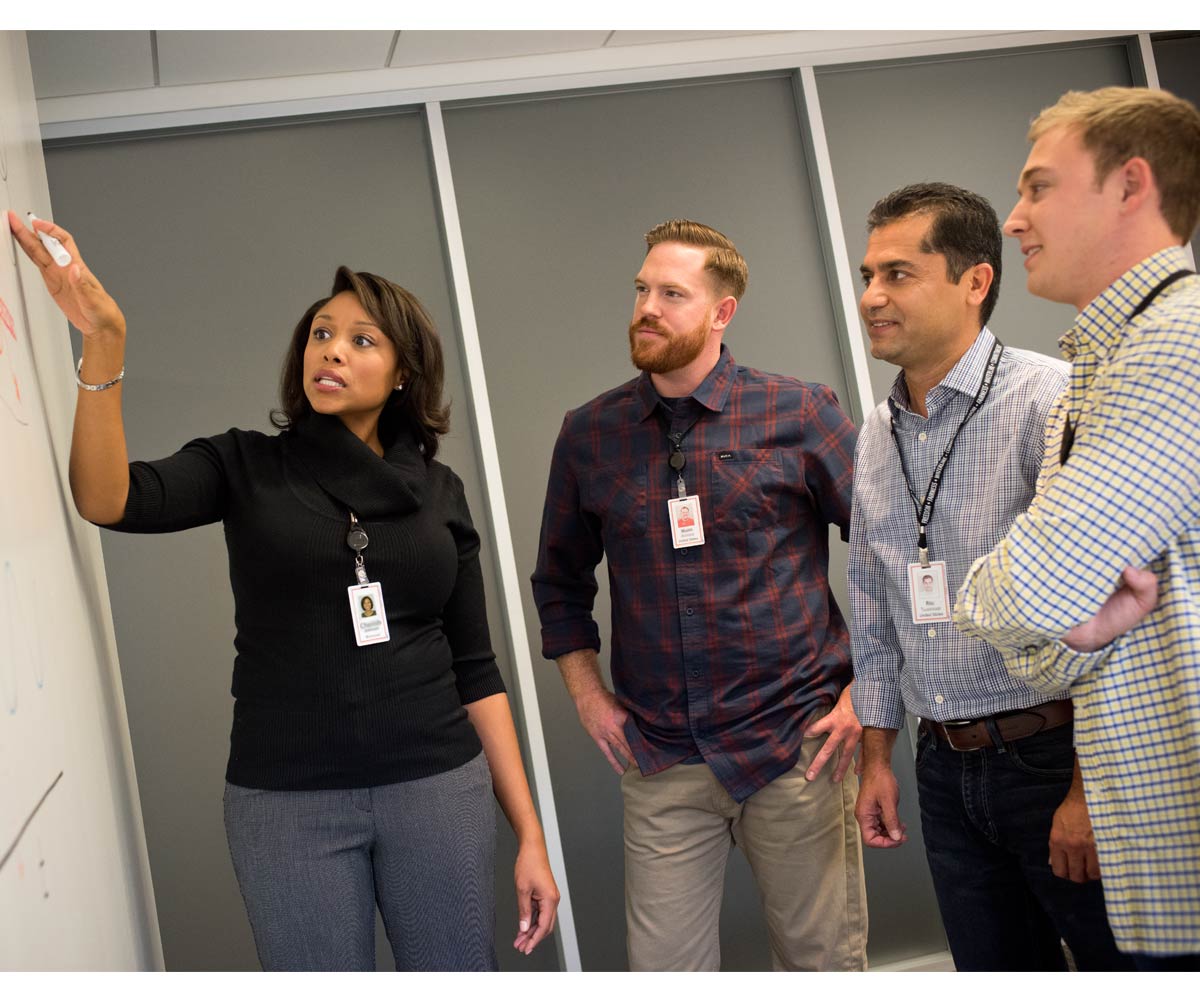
942 468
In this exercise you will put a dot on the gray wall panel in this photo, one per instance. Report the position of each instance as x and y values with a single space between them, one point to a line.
215 244
554 196
963 121
1177 59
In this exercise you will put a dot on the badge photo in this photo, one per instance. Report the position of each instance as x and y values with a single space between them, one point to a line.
929 592
367 614
687 526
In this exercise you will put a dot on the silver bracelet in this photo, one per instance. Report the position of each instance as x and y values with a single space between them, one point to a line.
96 388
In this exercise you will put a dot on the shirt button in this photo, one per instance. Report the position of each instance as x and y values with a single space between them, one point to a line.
922 436
694 673
689 612
938 698
932 633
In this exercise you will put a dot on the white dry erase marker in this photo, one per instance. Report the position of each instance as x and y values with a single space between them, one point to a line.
53 247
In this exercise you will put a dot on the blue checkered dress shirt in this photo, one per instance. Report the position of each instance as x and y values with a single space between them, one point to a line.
933 670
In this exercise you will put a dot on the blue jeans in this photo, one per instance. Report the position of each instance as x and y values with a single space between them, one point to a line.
313 865
985 816
1167 963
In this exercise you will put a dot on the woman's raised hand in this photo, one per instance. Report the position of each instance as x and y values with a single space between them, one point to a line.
74 288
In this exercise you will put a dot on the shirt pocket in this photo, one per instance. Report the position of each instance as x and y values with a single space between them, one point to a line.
744 485
616 494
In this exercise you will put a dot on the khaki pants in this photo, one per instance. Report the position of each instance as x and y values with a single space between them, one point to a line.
803 846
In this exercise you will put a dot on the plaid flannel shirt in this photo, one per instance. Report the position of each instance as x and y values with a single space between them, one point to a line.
723 651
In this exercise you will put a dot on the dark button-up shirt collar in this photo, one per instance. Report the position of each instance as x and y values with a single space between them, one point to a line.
712 393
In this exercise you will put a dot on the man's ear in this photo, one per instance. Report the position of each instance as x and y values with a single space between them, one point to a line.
726 307
1138 185
979 283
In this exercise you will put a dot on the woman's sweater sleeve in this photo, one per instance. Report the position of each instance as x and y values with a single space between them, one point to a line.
465 616
184 490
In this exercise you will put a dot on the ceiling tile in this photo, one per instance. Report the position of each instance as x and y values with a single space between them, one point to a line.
647 37
66 63
419 48
212 56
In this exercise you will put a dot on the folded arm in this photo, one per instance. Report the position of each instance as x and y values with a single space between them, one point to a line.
1130 488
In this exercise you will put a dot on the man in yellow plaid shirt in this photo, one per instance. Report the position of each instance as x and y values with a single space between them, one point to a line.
1097 586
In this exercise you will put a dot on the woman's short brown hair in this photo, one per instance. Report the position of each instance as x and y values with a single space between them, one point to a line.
404 321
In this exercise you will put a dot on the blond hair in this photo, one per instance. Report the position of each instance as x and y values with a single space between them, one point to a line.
1116 124
726 266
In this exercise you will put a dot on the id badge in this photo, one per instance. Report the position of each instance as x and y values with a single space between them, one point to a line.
687 528
928 592
367 613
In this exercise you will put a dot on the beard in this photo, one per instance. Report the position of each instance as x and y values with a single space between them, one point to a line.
677 351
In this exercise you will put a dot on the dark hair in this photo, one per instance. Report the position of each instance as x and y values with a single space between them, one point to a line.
965 229
407 325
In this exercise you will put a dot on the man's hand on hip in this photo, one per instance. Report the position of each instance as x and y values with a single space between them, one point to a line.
599 711
604 719
844 732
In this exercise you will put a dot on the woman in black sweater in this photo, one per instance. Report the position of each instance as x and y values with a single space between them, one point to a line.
365 746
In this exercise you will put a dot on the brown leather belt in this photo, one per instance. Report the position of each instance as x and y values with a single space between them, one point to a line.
975 734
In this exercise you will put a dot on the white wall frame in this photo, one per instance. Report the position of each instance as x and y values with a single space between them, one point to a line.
838 270
1149 68
506 557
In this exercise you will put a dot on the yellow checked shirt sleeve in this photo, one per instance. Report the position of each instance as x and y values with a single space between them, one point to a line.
1129 489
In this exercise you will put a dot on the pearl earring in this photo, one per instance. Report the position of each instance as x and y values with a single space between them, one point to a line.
399 386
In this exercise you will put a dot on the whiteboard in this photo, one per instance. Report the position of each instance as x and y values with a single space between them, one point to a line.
75 890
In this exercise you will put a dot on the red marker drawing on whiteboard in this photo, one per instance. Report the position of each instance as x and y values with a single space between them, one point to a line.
53 247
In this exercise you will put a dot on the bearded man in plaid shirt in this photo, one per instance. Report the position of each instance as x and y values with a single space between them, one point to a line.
710 488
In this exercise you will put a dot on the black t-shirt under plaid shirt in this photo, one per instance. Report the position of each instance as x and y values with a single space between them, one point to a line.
723 650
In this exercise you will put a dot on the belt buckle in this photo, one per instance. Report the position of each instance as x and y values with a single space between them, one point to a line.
948 728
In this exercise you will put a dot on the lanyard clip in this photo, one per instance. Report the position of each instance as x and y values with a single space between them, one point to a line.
923 548
356 539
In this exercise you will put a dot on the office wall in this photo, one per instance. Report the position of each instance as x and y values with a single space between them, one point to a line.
217 240
1177 59
75 890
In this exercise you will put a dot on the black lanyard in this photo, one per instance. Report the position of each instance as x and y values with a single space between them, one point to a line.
924 505
1068 437
675 457
356 539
